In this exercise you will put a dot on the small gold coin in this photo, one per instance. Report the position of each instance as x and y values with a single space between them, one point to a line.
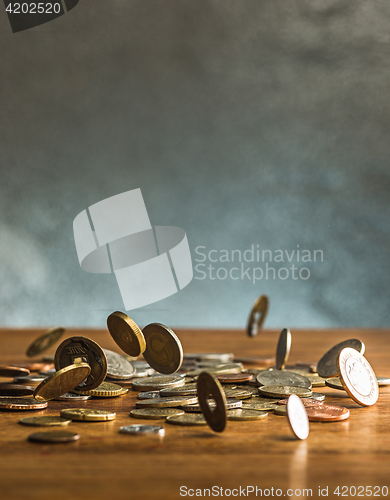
44 421
243 414
171 401
155 413
257 315
105 390
283 349
88 415
126 333
62 382
163 350
54 437
187 419
208 386
281 391
44 341
334 383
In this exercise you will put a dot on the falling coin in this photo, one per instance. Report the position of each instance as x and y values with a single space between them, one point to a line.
163 350
187 419
142 429
327 365
297 417
61 382
244 414
257 315
44 421
208 386
44 341
283 349
88 415
126 333
54 437
279 391
155 413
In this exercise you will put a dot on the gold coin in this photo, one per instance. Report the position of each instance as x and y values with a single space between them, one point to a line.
44 421
281 391
327 365
87 414
242 414
157 382
184 390
230 405
62 382
208 386
357 377
166 402
257 315
105 389
334 383
155 413
44 341
281 410
283 349
163 350
126 333
187 419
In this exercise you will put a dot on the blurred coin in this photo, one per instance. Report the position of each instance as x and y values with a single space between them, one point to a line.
88 414
48 358
283 349
187 419
316 380
281 410
327 413
237 393
297 417
126 333
231 404
279 391
208 386
53 437
69 396
83 350
261 362
215 356
334 383
244 414
17 404
148 395
221 369
155 413
157 382
142 429
327 365
282 377
30 379
105 389
117 366
357 377
48 372
163 350
305 401
44 421
382 381
168 402
13 371
15 390
35 366
317 396
61 382
257 315
233 378
184 390
253 390
258 406
44 341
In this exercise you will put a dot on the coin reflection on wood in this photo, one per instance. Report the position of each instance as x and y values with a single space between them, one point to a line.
208 386
257 315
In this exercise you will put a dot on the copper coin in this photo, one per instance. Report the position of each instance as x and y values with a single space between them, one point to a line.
327 413
232 378
13 371
54 437
21 404
16 390
257 315
36 366
308 402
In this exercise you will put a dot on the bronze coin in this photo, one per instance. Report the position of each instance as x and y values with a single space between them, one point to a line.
54 437
257 315
16 390
208 386
327 413
13 371
44 341
232 378
17 404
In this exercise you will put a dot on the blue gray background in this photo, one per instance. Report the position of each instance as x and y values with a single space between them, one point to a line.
243 122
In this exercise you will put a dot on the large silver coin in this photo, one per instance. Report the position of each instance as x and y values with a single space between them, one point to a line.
283 348
118 367
282 377
327 365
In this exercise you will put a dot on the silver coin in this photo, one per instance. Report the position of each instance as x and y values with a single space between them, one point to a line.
283 349
142 429
382 381
184 390
222 357
30 378
148 394
118 368
318 396
282 377
74 397
327 365
297 417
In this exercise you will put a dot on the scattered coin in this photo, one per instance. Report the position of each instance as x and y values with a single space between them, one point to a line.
334 383
155 413
316 380
15 390
256 361
233 378
87 414
317 396
221 369
257 315
305 401
83 350
163 350
105 390
44 421
54 437
382 381
30 379
230 405
117 366
13 371
327 413
357 377
148 395
258 406
282 377
35 366
283 349
327 365
281 410
44 341
61 382
208 386
237 393
244 414
297 417
73 397
187 419
223 357
142 429
126 333
157 382
17 404
184 390
279 391
168 402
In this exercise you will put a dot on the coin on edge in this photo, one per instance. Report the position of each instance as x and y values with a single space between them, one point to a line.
62 381
357 377
163 350
44 421
54 437
142 429
257 315
208 386
187 419
87 414
283 348
327 365
297 417
44 341
126 333
155 413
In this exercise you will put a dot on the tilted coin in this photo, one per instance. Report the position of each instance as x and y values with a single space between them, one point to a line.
279 391
244 414
187 419
17 404
88 414
208 386
148 395
105 389
327 365
83 350
357 377
44 341
142 429
283 348
62 381
258 406
54 437
13 371
30 379
257 315
233 378
168 402
282 377
334 383
223 357
230 405
155 413
126 333
15 389
73 397
117 366
157 382
44 421
163 350
317 396
382 381
327 413
184 390
305 401
297 417
35 366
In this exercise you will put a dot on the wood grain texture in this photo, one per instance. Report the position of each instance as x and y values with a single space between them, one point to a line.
104 464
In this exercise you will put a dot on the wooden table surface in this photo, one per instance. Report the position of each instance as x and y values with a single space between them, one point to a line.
107 465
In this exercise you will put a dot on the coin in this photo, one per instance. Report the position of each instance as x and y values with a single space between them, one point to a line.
142 429
257 315
317 396
21 404
253 390
187 419
208 386
166 402
184 390
297 417
88 414
15 390
232 378
278 391
148 395
155 413
282 377
44 341
382 381
222 369
81 349
126 333
13 371
316 380
223 357
244 414
117 366
334 383
157 382
283 349
237 393
44 421
327 413
327 365
255 361
106 389
357 377
281 410
73 397
30 379
258 406
305 401
61 382
53 437
35 366
163 350
230 405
